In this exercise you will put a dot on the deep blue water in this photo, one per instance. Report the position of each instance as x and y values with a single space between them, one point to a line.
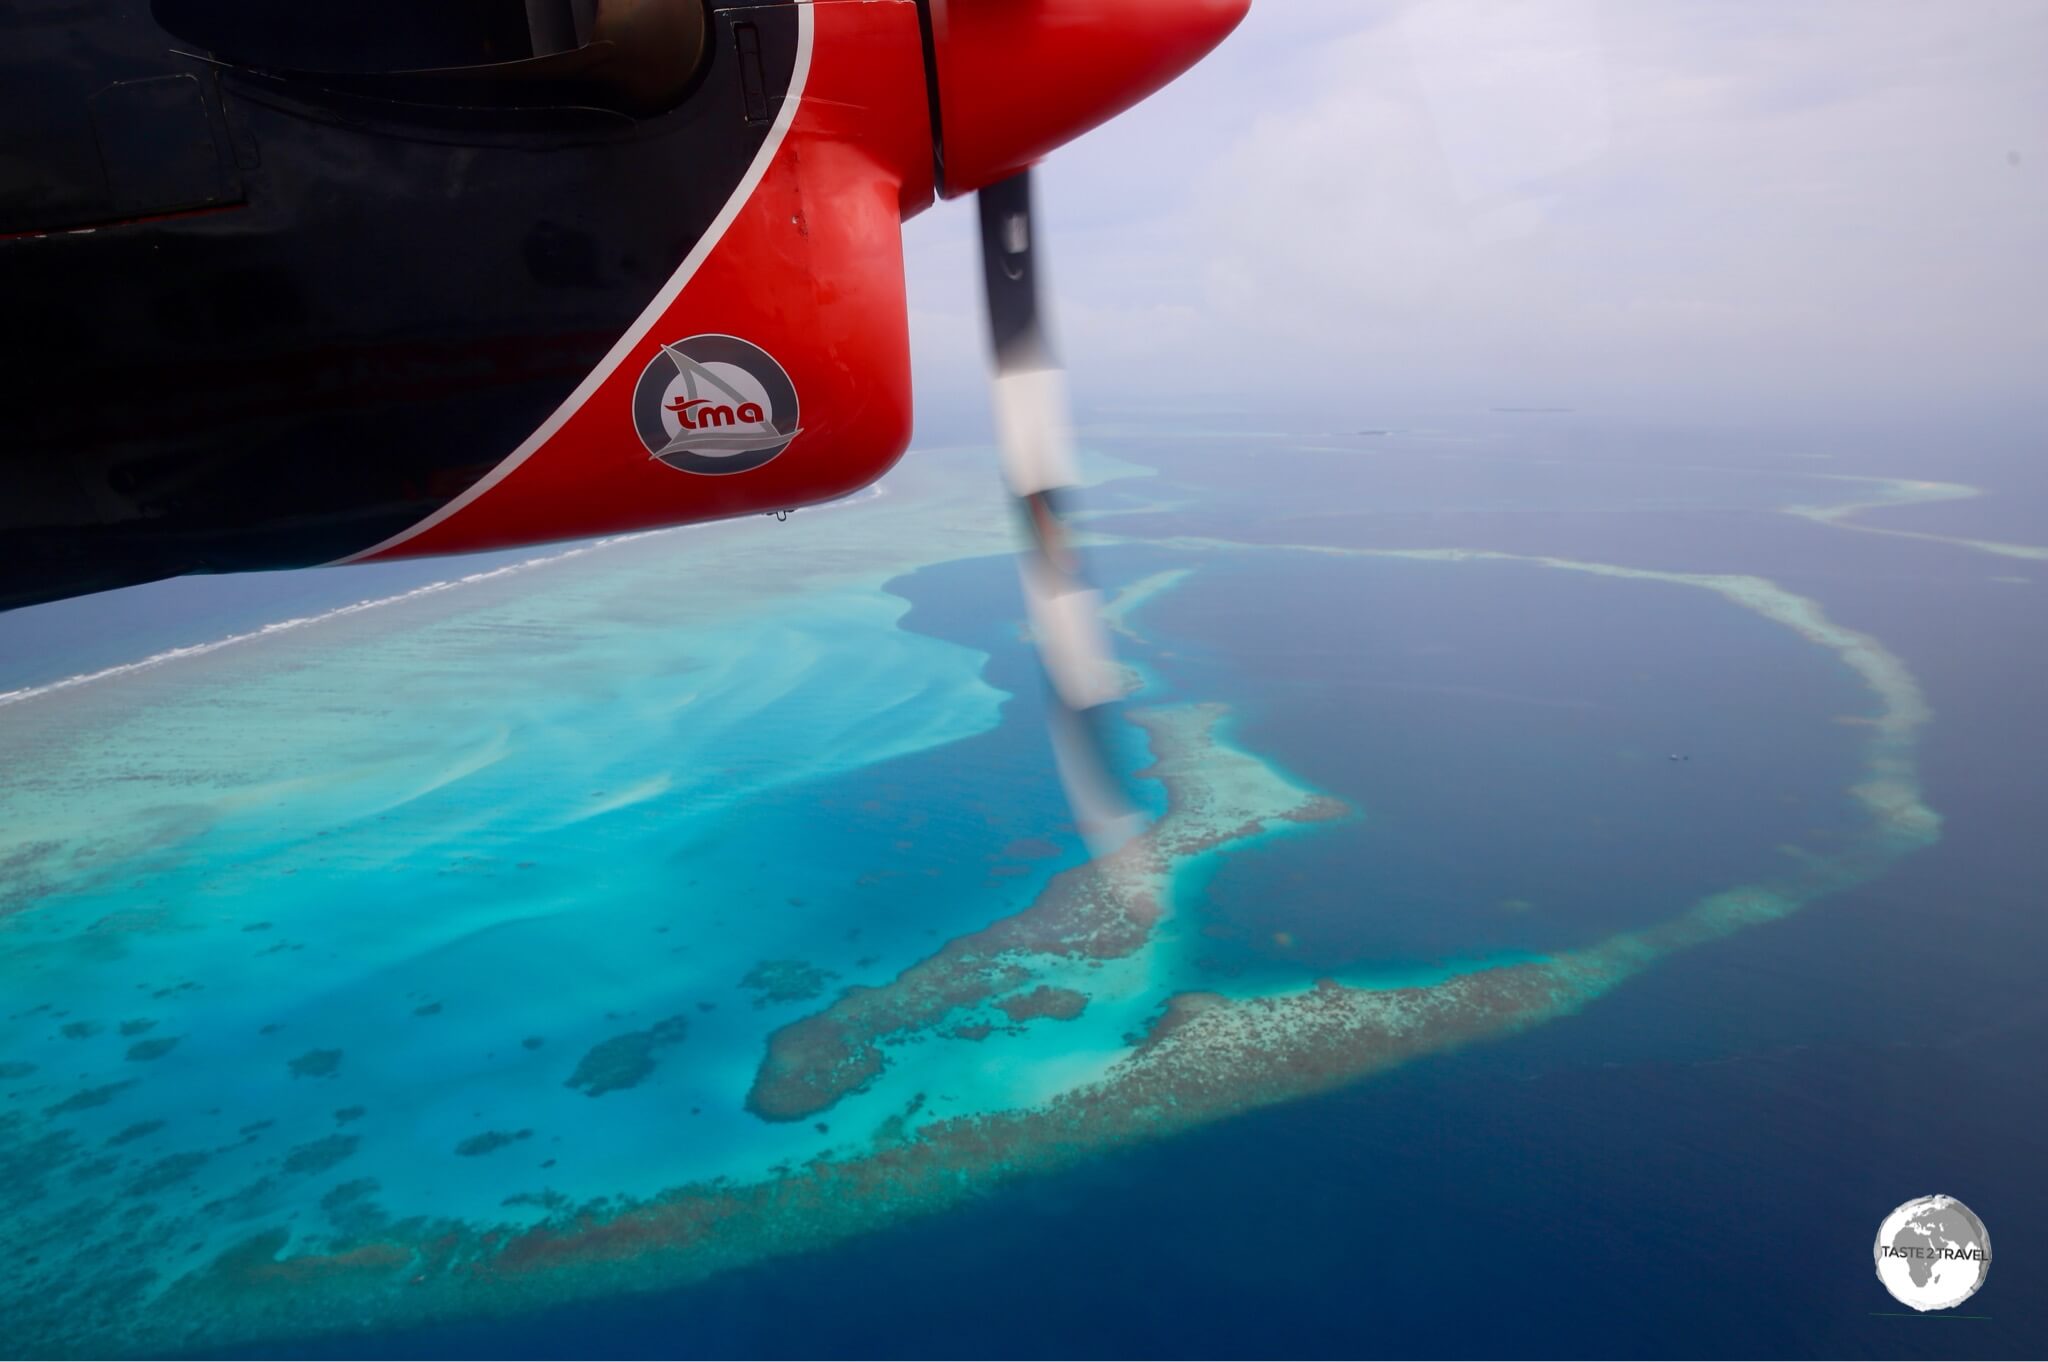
1508 732
1695 1164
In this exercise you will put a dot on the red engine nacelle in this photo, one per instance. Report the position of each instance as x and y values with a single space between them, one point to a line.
790 311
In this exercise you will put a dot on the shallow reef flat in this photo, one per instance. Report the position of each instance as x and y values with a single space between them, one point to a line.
1102 910
491 990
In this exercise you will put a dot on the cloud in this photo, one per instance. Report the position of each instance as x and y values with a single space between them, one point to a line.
1844 200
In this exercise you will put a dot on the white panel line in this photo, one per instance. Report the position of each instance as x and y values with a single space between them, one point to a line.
670 291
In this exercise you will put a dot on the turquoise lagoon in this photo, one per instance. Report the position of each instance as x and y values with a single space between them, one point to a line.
478 904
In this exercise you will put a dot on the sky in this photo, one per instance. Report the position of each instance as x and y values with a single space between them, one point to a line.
1646 203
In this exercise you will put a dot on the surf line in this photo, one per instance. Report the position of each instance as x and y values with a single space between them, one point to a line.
191 650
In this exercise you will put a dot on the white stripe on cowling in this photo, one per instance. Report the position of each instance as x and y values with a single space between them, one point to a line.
649 316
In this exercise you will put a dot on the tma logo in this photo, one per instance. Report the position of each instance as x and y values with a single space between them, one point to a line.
714 404
698 413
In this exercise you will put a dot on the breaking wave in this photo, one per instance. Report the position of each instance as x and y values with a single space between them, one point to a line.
15 697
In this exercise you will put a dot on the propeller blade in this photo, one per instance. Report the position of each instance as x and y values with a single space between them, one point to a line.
1034 436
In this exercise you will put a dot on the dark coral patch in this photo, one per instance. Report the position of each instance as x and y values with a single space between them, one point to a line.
135 1026
343 1115
144 1050
80 1030
89 1097
348 1194
24 1166
245 1203
135 1132
786 981
490 1142
353 1208
168 1172
320 1155
1061 1004
316 1064
624 1061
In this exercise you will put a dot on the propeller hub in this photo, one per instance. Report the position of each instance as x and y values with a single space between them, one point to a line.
1017 78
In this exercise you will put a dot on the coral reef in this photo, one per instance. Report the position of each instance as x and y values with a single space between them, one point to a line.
626 1061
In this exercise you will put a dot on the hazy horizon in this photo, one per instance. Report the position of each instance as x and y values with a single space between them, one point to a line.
1830 207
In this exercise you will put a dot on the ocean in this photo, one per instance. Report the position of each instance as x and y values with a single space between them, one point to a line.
1602 858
